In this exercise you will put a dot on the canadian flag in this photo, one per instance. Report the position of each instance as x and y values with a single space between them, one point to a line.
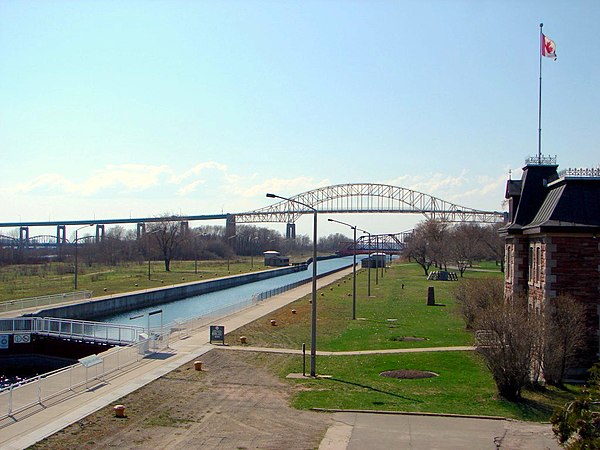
548 47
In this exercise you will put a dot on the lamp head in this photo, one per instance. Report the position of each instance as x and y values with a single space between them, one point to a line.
270 195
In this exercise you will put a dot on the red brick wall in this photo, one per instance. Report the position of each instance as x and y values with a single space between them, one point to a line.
516 265
573 267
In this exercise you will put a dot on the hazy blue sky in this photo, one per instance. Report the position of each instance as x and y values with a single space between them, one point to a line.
136 108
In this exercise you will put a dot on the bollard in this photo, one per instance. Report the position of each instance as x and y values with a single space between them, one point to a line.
430 296
273 322
243 339
119 411
293 311
198 365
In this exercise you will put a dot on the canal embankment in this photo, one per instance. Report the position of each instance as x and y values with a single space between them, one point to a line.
102 306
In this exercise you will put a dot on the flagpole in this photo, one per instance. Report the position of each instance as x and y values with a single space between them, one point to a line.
540 100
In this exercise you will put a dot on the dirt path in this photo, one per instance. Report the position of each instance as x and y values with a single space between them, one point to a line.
230 405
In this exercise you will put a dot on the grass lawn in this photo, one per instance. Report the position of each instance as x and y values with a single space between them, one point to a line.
463 385
32 280
391 318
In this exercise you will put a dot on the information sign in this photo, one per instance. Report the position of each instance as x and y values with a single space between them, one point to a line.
217 333
22 338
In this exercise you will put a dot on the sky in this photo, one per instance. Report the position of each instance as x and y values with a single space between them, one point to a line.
125 108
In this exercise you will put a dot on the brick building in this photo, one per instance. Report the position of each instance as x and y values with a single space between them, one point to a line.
552 242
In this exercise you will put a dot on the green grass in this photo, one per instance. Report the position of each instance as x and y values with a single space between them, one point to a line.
464 385
23 281
411 317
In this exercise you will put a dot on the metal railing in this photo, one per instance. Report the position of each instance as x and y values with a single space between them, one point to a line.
44 300
73 329
591 172
72 380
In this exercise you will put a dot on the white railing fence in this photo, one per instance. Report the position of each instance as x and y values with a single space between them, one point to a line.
45 300
69 328
71 380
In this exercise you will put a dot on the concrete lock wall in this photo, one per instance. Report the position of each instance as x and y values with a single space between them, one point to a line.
104 306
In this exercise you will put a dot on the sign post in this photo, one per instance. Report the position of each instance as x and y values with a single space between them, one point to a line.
217 333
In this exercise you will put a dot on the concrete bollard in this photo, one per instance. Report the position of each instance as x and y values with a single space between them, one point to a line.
198 365
430 296
119 411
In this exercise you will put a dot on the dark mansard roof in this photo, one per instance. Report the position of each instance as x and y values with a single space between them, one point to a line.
544 201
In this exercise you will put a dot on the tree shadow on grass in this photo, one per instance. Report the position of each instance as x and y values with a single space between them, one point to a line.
371 388
530 409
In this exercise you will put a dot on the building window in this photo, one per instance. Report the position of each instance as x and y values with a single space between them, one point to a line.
538 264
508 262
531 273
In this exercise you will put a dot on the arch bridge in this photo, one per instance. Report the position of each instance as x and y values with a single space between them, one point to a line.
392 243
340 198
362 198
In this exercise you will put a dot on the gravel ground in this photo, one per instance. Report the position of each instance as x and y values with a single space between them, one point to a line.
232 404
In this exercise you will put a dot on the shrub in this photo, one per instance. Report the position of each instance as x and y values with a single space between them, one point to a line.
577 423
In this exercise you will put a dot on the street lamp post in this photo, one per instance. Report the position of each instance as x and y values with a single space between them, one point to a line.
196 251
148 247
353 265
369 268
377 259
228 255
76 239
313 321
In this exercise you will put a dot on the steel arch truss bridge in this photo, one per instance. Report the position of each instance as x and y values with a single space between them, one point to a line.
385 243
367 198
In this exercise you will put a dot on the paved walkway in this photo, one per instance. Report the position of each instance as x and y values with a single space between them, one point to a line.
351 430
386 351
360 430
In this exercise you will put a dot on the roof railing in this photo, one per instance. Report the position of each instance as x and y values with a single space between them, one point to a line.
581 172
541 160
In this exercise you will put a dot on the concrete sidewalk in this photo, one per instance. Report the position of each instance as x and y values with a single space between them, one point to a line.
360 430
37 423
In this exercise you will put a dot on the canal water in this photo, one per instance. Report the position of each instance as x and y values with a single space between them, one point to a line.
201 305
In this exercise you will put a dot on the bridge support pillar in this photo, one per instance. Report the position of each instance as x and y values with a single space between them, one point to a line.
290 231
230 230
184 227
140 230
23 236
61 238
99 232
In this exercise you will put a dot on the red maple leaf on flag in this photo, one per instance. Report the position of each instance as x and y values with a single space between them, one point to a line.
548 47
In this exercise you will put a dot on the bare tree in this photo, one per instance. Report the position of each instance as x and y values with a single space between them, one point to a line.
565 330
465 245
493 243
418 248
166 232
476 295
510 348
429 244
